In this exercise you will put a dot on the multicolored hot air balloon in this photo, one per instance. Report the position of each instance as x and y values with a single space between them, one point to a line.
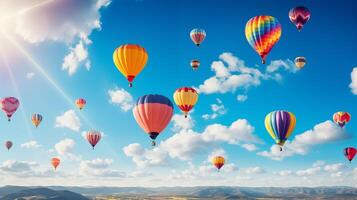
81 103
341 118
197 36
350 153
299 16
130 59
185 98
300 62
280 124
195 64
9 105
8 145
218 162
262 33
36 119
55 162
153 113
93 137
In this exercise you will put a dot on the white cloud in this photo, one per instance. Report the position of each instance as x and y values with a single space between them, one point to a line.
353 84
30 75
122 98
250 147
143 157
333 168
242 97
14 166
231 74
182 123
254 170
98 167
319 163
217 110
69 120
77 56
65 148
283 173
325 132
308 172
31 144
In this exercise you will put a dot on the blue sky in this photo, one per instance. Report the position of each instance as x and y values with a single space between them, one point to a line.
46 50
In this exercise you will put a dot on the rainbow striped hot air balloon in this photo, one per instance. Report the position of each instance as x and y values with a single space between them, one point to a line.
153 113
185 98
36 119
280 124
218 162
262 33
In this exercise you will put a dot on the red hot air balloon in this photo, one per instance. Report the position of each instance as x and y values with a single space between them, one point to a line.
93 137
81 103
341 118
55 162
153 113
8 145
350 153
299 16
197 36
9 105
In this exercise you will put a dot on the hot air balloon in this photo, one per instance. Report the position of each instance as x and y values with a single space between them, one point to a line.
153 113
8 145
299 16
341 118
185 98
93 137
9 105
300 62
218 162
55 162
262 33
197 36
81 103
36 119
350 153
195 64
280 124
130 59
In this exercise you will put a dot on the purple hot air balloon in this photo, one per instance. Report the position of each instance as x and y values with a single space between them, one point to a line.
299 16
8 145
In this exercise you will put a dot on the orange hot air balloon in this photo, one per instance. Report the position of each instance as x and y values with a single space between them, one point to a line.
218 162
130 59
185 98
81 103
341 118
55 162
36 119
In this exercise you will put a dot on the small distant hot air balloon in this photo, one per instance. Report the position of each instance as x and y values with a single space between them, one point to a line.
9 105
55 162
341 118
197 36
8 145
185 98
130 59
350 153
153 112
195 64
81 103
93 137
299 16
280 124
218 162
300 62
262 33
36 119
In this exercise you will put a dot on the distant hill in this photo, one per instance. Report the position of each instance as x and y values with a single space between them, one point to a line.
41 194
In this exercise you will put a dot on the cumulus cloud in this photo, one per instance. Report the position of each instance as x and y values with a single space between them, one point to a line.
31 144
98 167
65 148
17 166
69 120
325 132
254 170
353 84
217 110
122 98
250 147
182 123
144 157
77 56
231 74
308 172
242 97
333 168
283 173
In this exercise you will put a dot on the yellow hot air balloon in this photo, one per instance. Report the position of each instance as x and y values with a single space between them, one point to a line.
300 62
130 59
185 98
218 162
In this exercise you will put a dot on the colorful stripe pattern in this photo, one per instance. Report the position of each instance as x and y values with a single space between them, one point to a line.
185 98
36 119
197 36
262 33
81 103
8 145
350 153
218 162
93 137
130 59
153 113
280 125
341 118
9 105
299 16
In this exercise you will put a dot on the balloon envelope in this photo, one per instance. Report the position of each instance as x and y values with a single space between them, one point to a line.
36 119
341 118
80 103
300 62
197 36
262 33
55 162
153 113
218 162
93 137
185 98
299 16
9 105
8 145
350 153
195 64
